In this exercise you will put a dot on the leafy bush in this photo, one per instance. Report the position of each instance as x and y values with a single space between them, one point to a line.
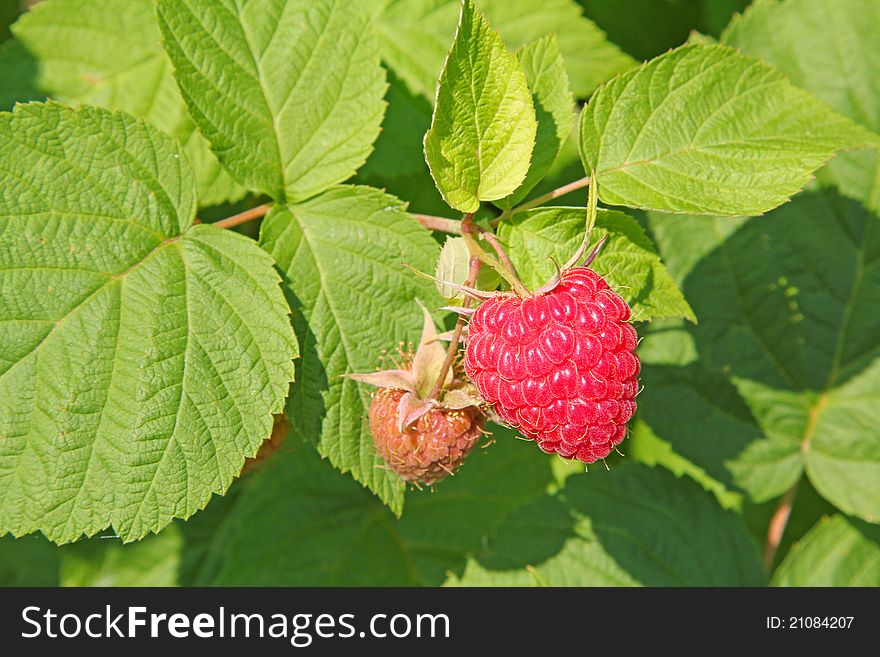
151 326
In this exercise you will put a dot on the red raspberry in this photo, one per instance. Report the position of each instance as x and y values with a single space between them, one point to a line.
430 448
560 365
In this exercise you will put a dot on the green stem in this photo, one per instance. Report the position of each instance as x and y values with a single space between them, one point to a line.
543 198
452 351
469 231
496 246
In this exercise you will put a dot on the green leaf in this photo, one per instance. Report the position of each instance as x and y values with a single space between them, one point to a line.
18 71
142 357
628 260
704 418
844 72
415 36
785 309
453 266
838 551
399 150
647 28
28 561
289 93
199 533
9 11
333 532
843 460
632 526
644 446
153 561
554 104
701 234
785 35
590 57
341 256
706 130
109 55
397 164
483 130
848 81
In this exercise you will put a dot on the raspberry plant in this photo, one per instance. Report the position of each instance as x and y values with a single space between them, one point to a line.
213 212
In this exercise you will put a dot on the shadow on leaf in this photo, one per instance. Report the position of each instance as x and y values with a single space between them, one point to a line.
298 522
784 301
786 319
635 525
18 75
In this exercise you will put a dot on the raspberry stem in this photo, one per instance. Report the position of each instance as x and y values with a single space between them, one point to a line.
777 526
469 230
496 246
543 198
452 351
243 217
440 224
779 521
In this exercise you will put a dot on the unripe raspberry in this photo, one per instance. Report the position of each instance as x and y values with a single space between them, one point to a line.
423 427
560 365
430 448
